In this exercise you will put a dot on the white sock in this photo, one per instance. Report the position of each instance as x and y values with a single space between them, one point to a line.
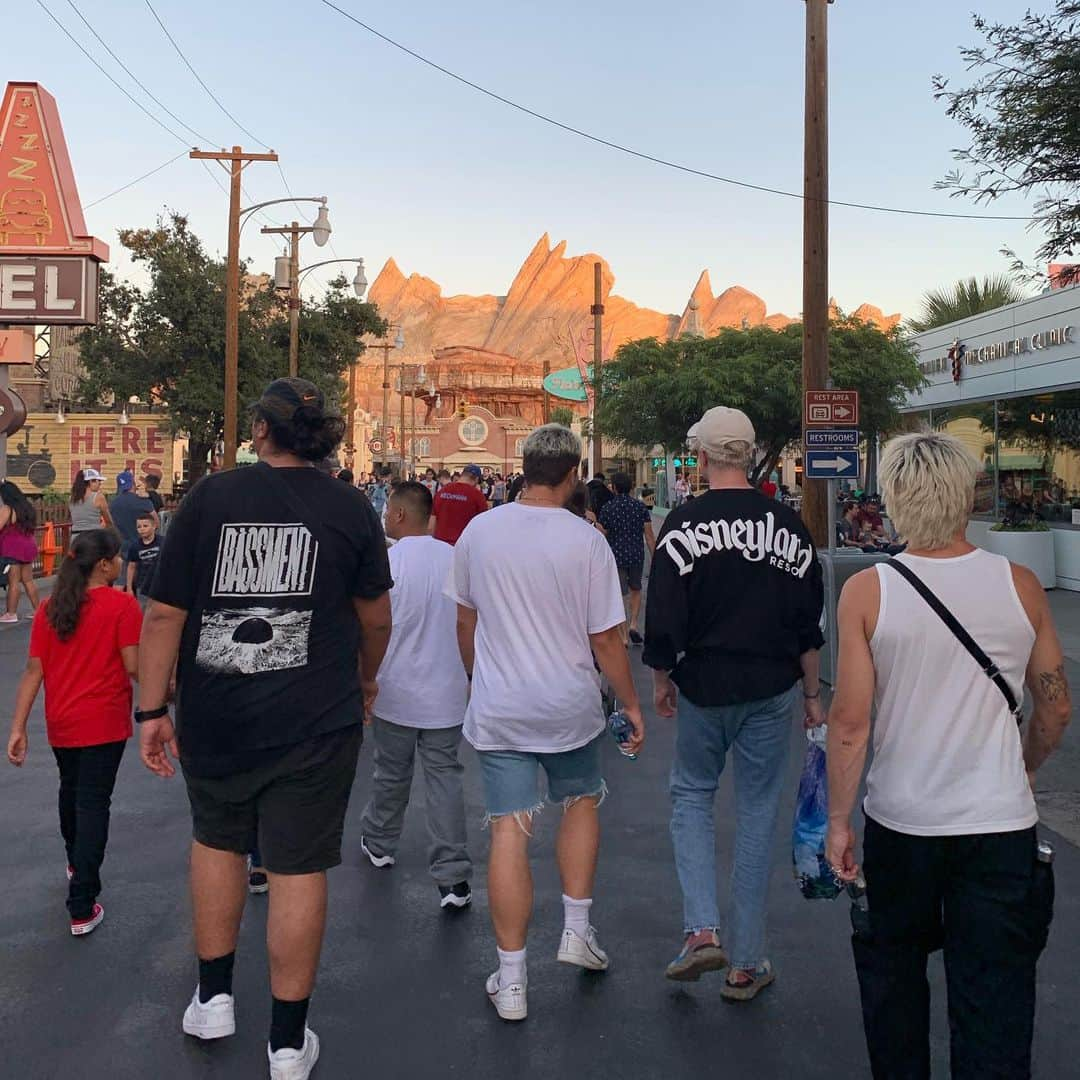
576 915
511 967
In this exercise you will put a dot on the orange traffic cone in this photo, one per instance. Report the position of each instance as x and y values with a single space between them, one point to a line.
49 550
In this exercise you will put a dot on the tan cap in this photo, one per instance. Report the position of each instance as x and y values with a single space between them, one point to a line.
720 426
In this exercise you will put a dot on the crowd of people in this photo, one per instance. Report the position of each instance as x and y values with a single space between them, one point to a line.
287 608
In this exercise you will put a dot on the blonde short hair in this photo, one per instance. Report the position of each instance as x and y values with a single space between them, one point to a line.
928 480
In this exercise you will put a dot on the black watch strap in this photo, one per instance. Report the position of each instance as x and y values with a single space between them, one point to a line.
151 714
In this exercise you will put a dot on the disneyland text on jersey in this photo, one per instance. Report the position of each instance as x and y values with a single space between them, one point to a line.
757 540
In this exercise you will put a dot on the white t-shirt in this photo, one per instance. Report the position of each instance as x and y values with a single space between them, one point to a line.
541 581
422 683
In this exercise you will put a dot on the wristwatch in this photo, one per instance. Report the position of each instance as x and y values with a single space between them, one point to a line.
151 714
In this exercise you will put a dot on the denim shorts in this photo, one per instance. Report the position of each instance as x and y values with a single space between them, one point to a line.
512 778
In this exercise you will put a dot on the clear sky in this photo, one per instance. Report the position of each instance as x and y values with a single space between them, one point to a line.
459 187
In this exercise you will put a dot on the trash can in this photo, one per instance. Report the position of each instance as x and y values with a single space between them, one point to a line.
836 568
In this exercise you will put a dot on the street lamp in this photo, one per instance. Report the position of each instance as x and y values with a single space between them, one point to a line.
320 231
386 345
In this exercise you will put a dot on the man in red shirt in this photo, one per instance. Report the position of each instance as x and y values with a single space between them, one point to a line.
457 504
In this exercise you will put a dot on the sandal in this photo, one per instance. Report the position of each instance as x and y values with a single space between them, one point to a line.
755 982
694 960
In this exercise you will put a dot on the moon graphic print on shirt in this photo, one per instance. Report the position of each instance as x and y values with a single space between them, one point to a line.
260 562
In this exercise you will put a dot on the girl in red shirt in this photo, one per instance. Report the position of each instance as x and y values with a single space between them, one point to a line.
84 646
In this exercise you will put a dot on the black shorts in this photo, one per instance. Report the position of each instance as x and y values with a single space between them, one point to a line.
293 806
630 578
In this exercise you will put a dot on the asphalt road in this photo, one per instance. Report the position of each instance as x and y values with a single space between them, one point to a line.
401 987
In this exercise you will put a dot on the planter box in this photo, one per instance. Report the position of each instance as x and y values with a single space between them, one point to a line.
1035 550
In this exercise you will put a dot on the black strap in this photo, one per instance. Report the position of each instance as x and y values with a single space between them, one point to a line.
946 616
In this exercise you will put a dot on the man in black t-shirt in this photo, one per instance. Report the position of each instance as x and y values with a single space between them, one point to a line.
628 524
271 592
731 626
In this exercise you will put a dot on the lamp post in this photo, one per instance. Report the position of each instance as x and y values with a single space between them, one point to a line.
386 345
359 284
320 231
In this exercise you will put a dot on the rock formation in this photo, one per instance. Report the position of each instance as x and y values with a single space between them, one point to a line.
478 342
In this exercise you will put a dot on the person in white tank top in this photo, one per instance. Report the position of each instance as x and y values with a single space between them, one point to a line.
949 847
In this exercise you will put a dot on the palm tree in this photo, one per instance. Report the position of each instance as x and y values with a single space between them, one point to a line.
965 298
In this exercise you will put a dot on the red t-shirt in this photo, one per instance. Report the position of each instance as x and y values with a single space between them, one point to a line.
87 690
455 506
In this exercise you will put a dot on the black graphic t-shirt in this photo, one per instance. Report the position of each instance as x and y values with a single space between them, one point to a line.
267 563
145 557
735 598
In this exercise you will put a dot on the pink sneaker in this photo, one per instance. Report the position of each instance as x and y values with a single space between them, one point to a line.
70 871
7 617
86 926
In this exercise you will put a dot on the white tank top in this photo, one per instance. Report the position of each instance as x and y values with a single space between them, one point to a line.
947 752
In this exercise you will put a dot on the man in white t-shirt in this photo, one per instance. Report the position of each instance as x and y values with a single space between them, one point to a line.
538 597
421 704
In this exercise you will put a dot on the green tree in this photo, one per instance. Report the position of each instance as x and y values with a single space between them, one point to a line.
967 297
563 415
653 391
165 343
1020 112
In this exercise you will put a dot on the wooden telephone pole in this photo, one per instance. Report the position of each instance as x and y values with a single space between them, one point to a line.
598 368
815 364
237 160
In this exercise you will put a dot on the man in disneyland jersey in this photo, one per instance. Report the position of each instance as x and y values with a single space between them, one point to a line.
732 625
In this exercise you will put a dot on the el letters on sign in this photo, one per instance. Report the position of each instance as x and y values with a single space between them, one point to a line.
47 454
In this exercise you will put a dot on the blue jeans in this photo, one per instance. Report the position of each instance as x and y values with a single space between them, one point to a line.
758 733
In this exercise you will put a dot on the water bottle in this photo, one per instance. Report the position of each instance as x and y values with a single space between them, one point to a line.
621 729
860 908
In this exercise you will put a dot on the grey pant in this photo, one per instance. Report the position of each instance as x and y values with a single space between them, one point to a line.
395 750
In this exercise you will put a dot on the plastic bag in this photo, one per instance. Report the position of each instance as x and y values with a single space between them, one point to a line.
813 873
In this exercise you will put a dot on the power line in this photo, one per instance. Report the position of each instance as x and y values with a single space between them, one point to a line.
218 102
134 78
651 157
187 63
138 104
137 180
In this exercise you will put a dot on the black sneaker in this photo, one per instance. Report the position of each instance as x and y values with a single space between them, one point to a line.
258 883
636 638
455 896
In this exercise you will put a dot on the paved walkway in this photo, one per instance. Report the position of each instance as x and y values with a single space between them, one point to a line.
401 988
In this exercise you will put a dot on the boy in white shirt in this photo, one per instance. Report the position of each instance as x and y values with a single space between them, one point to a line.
423 691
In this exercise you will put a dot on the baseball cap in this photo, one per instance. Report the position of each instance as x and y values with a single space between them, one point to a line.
474 470
125 481
720 426
92 474
284 396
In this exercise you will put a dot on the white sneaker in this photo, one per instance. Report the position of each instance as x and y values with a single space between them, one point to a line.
584 952
213 1020
7 618
510 1001
378 861
289 1064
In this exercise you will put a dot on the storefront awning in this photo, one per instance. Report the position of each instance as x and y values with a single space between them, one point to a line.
1033 462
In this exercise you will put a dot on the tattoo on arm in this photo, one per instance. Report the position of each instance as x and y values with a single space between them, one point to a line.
1053 683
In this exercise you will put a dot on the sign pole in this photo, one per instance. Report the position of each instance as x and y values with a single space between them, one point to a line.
815 360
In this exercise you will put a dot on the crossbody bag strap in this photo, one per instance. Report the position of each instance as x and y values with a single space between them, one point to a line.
990 669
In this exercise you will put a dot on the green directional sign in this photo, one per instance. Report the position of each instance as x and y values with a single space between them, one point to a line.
567 384
661 462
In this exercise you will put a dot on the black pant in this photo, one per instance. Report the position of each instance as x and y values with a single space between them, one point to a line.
987 901
87 778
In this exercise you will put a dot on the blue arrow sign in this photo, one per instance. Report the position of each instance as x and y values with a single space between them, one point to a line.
832 464
831 439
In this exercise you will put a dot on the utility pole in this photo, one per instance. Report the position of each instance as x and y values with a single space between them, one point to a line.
598 367
547 396
234 162
350 428
815 362
293 231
